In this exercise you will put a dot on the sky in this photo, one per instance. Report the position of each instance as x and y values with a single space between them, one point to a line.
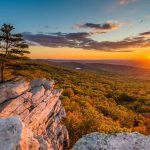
81 29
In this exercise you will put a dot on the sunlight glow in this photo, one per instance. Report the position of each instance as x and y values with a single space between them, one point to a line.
77 53
148 56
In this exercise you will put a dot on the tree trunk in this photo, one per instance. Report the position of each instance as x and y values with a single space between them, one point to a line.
2 72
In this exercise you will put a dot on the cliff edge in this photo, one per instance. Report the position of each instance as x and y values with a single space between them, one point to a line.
30 116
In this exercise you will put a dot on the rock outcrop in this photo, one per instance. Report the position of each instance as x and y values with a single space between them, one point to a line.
32 114
118 141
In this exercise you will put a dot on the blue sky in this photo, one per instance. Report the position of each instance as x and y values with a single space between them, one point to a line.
127 18
61 15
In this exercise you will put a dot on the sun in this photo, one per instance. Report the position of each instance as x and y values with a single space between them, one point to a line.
148 57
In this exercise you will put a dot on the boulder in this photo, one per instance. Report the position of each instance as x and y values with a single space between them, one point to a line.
117 141
10 133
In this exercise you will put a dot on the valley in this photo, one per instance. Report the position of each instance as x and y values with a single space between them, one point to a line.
95 100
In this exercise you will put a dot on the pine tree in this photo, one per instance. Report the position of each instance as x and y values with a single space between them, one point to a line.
11 46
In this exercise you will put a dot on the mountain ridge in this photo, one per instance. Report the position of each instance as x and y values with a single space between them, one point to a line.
132 71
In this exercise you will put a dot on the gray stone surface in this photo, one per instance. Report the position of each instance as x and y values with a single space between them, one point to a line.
42 82
119 141
10 133
12 89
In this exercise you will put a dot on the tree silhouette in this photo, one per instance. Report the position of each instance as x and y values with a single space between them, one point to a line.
11 46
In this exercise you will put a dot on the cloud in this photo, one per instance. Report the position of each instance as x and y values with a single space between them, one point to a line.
100 28
31 43
73 36
83 40
145 34
125 2
58 39
123 45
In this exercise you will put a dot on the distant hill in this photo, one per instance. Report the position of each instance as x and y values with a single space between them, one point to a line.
132 63
121 69
126 70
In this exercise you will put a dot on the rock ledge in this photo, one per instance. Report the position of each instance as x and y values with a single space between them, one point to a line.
34 112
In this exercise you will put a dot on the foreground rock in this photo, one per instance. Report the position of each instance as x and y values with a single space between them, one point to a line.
120 141
12 89
10 133
40 111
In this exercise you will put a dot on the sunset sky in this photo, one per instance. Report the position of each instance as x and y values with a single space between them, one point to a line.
82 29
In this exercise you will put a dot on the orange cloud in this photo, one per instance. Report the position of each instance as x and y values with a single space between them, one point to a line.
100 28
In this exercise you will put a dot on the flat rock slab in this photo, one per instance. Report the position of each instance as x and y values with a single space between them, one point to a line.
10 133
118 141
